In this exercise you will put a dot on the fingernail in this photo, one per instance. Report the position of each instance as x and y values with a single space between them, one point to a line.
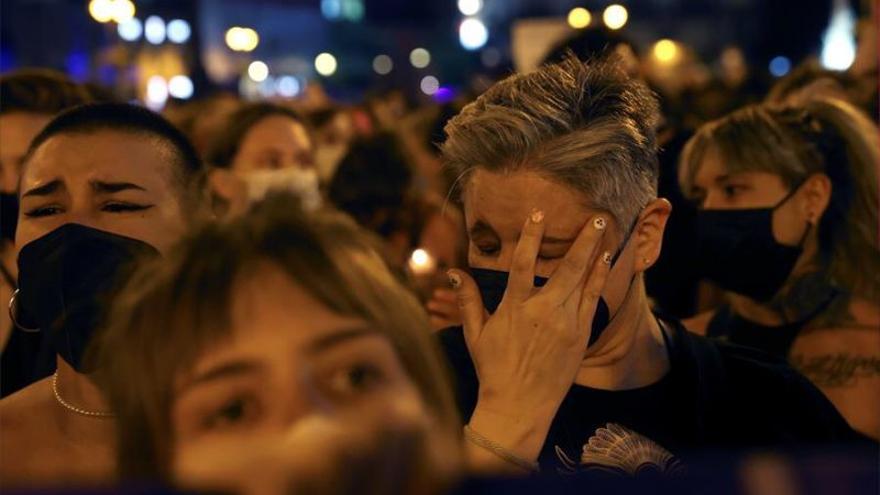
606 257
537 216
600 223
454 279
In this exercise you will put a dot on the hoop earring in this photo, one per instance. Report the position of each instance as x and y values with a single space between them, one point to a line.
12 304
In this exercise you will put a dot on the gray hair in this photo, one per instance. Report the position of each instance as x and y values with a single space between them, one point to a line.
587 126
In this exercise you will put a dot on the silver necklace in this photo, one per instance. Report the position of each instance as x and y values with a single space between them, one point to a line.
71 407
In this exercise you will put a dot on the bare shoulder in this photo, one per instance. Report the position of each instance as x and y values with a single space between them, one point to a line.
24 423
699 324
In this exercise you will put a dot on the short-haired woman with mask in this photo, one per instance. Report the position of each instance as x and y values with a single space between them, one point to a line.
102 186
788 227
561 363
276 353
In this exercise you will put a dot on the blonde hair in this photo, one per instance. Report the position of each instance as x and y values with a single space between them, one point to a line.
822 135
174 309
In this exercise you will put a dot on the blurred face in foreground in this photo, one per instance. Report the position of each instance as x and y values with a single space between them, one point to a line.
299 396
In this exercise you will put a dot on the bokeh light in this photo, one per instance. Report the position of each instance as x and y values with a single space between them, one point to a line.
123 10
472 34
615 16
666 50
325 64
383 64
157 92
131 29
429 86
241 39
420 58
258 71
101 10
178 31
180 86
780 66
579 18
154 30
288 86
470 7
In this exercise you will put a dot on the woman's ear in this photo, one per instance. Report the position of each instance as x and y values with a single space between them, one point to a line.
229 189
815 195
649 233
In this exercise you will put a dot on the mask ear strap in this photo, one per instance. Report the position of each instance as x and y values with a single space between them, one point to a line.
623 244
788 196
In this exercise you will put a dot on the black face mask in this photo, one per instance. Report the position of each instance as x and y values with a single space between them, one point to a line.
8 215
738 252
493 284
65 280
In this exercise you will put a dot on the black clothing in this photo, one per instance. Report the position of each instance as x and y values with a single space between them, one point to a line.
776 341
715 395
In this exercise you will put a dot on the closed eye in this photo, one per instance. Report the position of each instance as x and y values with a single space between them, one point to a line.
44 211
123 207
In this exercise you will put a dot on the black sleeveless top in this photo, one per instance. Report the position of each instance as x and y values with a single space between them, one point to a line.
777 341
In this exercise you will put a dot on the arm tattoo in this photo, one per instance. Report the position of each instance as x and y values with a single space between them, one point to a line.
836 370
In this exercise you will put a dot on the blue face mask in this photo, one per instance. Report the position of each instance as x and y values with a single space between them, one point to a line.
493 284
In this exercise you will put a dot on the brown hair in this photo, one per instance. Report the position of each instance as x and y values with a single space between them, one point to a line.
224 146
822 135
42 91
586 126
176 308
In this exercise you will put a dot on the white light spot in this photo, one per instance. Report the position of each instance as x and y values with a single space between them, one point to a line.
154 30
157 92
470 7
131 29
288 86
325 64
179 31
429 85
258 70
420 58
180 87
838 43
473 34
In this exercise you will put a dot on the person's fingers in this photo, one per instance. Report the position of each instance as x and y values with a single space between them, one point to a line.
445 295
522 269
593 286
570 274
470 304
442 308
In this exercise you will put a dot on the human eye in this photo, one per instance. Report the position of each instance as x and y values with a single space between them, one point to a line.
353 381
485 248
233 413
43 211
731 191
124 207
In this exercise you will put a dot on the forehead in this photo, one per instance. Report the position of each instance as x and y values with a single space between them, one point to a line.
17 129
275 130
504 200
102 154
262 318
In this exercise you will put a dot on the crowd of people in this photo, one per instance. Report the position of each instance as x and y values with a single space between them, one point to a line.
571 271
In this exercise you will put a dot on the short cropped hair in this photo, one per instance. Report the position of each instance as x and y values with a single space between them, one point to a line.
225 145
187 168
41 91
587 126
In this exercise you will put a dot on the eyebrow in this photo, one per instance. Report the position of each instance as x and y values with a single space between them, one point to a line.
114 187
338 337
45 190
721 179
223 371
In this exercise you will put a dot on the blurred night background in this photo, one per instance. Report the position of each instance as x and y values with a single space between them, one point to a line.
146 49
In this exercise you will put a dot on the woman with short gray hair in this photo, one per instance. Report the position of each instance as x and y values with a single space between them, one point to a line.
560 363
